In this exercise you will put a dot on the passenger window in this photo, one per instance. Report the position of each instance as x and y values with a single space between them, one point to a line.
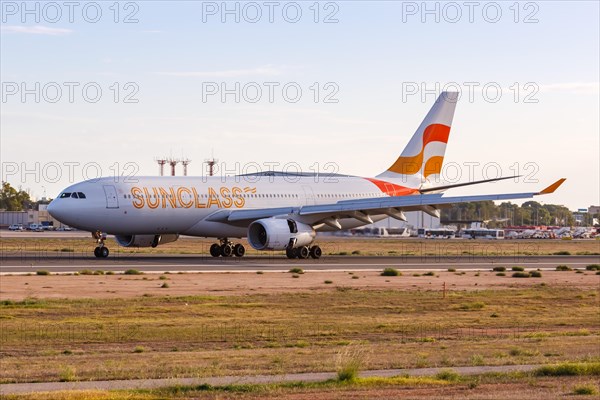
74 195
81 195
65 195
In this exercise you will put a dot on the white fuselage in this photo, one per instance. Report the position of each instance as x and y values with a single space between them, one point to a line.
184 205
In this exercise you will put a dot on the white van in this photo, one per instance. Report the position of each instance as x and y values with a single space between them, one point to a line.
35 227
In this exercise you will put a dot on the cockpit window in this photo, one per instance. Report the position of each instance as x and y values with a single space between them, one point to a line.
74 195
65 195
81 195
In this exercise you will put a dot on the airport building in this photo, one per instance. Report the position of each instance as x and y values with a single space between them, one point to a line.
27 217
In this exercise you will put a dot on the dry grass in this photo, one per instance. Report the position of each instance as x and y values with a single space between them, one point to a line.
496 386
73 247
292 332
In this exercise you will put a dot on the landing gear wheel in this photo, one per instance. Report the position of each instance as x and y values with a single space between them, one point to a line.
97 252
291 252
104 252
227 250
239 250
303 252
215 250
315 252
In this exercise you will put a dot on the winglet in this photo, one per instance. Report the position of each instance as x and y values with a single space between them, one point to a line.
553 187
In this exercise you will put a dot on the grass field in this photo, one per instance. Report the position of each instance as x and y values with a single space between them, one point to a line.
275 333
331 246
446 384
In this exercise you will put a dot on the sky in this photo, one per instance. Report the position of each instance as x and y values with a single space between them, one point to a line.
105 88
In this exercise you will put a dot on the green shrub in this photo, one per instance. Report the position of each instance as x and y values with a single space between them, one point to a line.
499 269
515 352
477 360
586 390
295 276
162 278
500 274
296 270
593 267
165 285
348 364
356 252
518 268
569 369
535 274
259 272
476 305
451 269
448 375
110 273
391 272
133 272
139 349
328 282
42 272
354 277
430 273
86 272
99 272
67 374
521 274
561 253
563 268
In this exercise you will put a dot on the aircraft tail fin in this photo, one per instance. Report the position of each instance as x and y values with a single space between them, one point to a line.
423 156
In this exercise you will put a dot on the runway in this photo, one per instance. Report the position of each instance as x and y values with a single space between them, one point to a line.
26 262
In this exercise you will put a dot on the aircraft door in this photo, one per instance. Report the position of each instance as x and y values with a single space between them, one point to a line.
309 195
111 196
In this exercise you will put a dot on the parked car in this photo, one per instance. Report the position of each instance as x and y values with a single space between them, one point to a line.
35 228
16 227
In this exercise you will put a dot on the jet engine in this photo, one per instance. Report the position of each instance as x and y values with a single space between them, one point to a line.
145 240
279 234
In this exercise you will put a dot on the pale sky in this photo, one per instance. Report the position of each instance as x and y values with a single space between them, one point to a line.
368 73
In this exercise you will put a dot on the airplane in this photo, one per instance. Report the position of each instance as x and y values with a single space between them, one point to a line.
273 210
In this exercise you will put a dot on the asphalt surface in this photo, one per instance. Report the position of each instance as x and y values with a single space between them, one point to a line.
15 388
22 262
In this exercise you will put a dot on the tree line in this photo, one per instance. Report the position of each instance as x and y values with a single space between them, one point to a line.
507 213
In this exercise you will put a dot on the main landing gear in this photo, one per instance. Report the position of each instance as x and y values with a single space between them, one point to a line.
101 251
225 248
304 252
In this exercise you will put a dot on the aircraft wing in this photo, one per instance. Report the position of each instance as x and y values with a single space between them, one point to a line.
362 208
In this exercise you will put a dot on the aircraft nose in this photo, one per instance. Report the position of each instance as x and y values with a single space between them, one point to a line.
56 210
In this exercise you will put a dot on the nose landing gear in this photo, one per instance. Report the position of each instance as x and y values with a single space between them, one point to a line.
101 251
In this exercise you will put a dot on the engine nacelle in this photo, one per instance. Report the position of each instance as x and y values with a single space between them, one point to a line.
145 240
278 234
